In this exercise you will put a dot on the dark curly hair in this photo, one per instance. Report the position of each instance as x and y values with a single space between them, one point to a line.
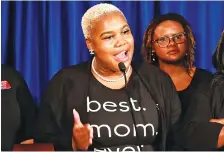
149 33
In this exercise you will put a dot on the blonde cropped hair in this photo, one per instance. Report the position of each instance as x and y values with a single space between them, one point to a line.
94 13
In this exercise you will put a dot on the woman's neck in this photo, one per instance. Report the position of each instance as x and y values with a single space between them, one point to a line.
173 70
106 72
179 75
109 78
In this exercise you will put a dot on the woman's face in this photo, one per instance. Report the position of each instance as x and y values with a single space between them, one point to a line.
173 52
112 41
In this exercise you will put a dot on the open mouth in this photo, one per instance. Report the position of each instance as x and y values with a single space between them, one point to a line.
122 56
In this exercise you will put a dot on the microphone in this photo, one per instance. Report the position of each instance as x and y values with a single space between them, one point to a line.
122 68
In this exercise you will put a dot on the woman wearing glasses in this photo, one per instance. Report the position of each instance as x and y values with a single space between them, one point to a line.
169 44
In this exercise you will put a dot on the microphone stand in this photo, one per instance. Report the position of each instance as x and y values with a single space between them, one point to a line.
123 70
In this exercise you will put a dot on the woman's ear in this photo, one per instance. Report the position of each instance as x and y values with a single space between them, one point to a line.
89 44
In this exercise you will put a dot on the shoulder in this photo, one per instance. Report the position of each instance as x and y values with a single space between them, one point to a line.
203 71
218 81
12 75
153 76
219 77
9 71
202 77
68 78
150 70
74 71
203 74
202 81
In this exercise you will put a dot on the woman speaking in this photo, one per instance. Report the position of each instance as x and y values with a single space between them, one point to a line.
108 103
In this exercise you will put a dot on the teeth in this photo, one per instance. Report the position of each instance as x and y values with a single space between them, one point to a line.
123 52
121 56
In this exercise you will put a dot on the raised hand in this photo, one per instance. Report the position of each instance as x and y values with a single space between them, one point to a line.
221 120
82 134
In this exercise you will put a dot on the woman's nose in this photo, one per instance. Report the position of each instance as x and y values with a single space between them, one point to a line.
120 41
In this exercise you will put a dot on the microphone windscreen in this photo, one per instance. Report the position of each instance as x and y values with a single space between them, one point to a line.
121 67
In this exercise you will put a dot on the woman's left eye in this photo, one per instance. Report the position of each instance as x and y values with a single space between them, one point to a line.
179 36
126 31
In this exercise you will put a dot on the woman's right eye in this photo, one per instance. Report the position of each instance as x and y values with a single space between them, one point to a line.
162 39
108 37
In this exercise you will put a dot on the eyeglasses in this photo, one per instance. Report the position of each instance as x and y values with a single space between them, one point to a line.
164 41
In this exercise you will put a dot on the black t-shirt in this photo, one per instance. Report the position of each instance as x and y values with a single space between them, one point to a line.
110 114
18 110
199 89
70 88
